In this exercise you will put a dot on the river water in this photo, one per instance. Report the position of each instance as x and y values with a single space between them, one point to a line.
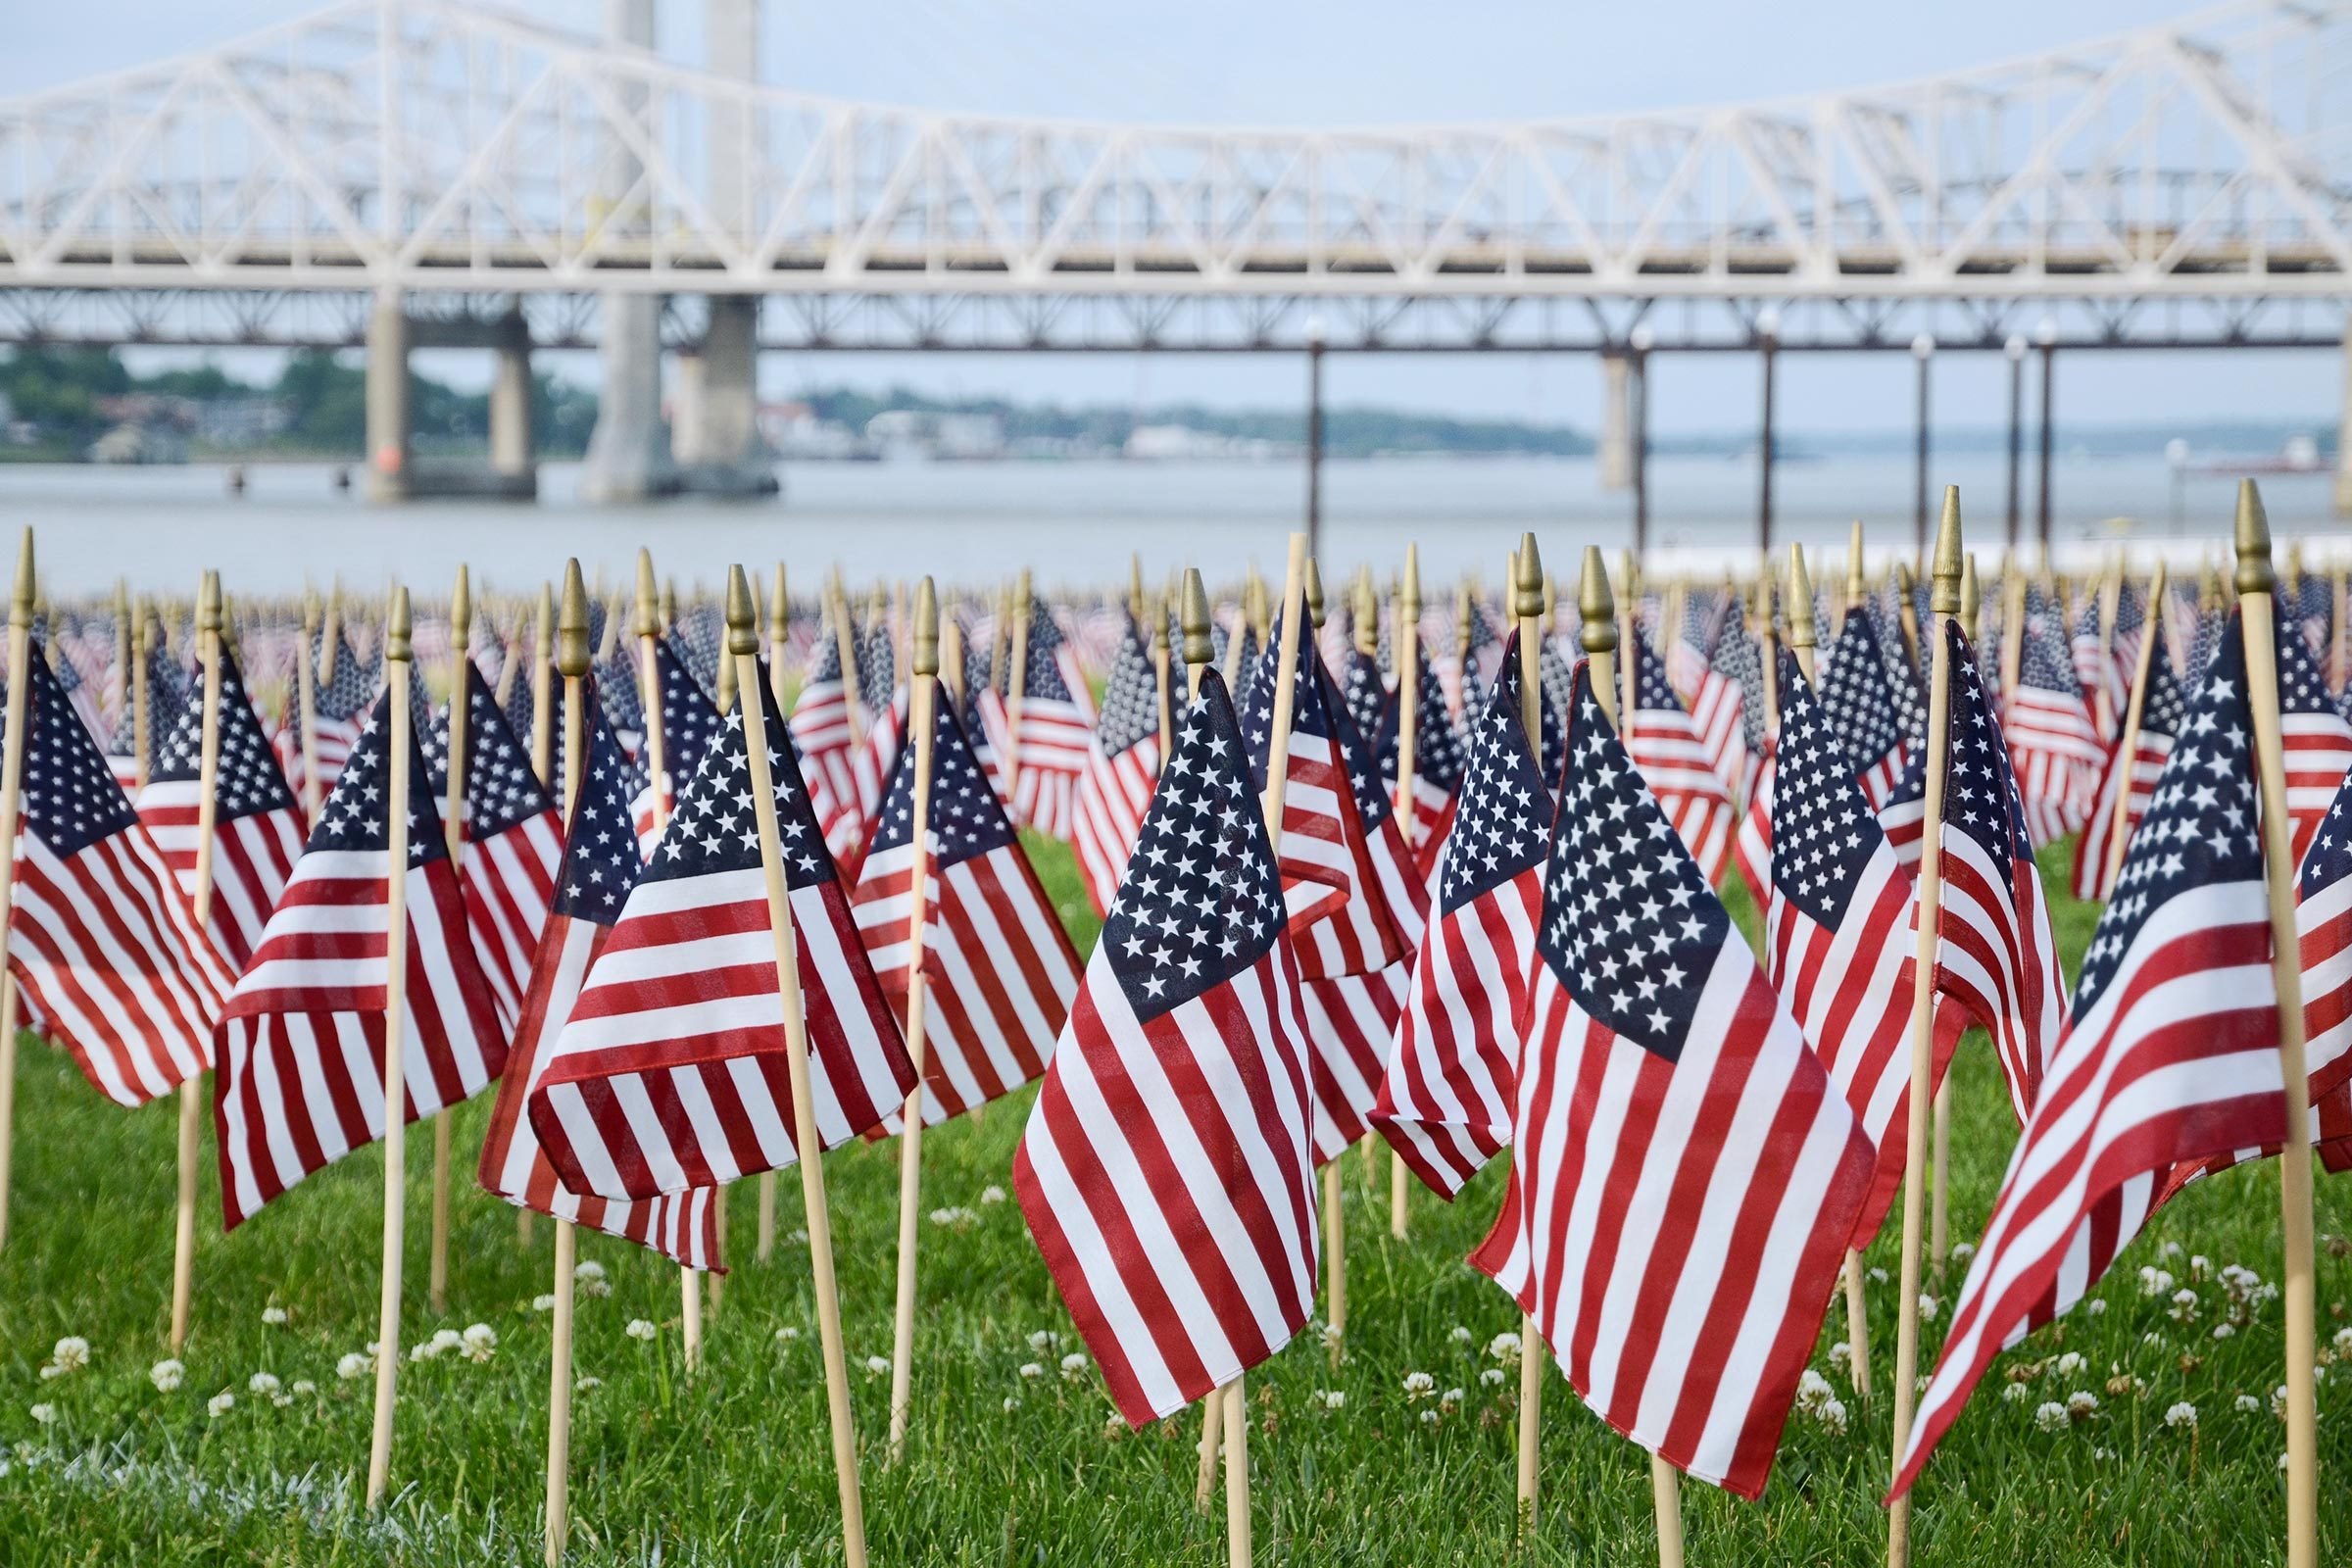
1074 522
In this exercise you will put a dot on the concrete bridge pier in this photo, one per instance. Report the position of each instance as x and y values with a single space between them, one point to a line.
394 472
714 431
1616 421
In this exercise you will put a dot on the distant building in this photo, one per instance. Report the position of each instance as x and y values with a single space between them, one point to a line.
1163 442
792 431
912 432
246 421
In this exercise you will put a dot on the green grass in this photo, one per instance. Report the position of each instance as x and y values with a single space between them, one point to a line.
735 1466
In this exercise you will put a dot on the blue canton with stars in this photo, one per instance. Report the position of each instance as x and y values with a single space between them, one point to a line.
1505 824
249 782
1362 692
1652 691
1202 901
1858 697
1980 797
2047 663
1043 681
1436 749
346 693
1309 715
2203 827
966 820
70 797
1506 687
2163 709
1630 927
1738 659
501 790
600 849
715 830
1130 699
352 817
689 714
1823 832
617 689
2301 688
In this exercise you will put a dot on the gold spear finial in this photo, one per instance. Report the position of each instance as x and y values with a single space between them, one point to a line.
1857 585
1972 596
571 623
1527 582
2255 574
647 623
1314 593
1200 648
1365 613
309 614
1802 634
670 604
1596 605
926 628
1023 595
1409 591
741 639
396 627
544 624
1135 587
22 606
779 609
1950 557
207 605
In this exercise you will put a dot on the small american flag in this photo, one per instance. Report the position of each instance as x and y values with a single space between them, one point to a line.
1685 1175
671 1072
338 706
256 823
1437 767
1056 729
1687 656
600 866
1751 845
999 968
302 1045
102 940
2116 810
2318 741
1166 1171
1860 699
689 719
2170 1053
821 729
1679 765
512 846
168 690
1739 661
2053 742
1445 1101
1122 761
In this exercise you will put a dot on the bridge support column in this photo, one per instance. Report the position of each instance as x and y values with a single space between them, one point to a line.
714 432
2343 436
513 445
1616 421
387 389
628 453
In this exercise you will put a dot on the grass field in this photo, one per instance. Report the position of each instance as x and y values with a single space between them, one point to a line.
1011 1461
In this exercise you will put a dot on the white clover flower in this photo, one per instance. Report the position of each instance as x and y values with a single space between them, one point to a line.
479 1342
2094 1308
1491 1377
2247 1404
1329 1335
543 1304
1420 1385
303 1388
1450 1398
1505 1348
422 1350
788 1334
2182 1414
44 1413
640 1329
956 1218
2154 1281
1878 1276
1074 1368
220 1405
2172 1249
1831 1413
167 1375
1012 1405
273 1317
2343 1341
2282 1461
445 1339
1429 1418
71 1354
1031 1371
2185 1306
2067 1365
1812 1388
353 1367
877 1367
2016 1393
2224 1331
1962 1251
589 1279
1841 1355
262 1382
1929 1306
1462 1335
2050 1416
992 1194
798 1235
2082 1404
1044 1340
1331 1398
2278 1402
2199 1266
587 1385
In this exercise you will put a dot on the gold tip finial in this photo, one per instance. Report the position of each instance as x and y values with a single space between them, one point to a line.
739 639
1527 581
647 621
1135 585
1972 595
1022 595
1857 583
926 628
1903 580
1193 612
208 602
779 607
396 627
1410 590
1596 604
543 623
23 602
2255 575
669 604
1314 593
461 612
571 624
1802 634
1364 611
1949 558
309 614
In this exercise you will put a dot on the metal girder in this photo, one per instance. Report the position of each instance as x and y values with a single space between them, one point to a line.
431 146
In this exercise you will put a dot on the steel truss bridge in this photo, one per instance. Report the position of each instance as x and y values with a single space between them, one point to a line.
2183 185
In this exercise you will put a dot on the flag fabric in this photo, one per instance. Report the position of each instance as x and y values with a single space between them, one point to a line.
1860 700
822 728
1686 1174
671 1072
1054 731
2324 934
1679 765
1437 767
302 1043
1166 1171
166 702
2170 1053
2095 670
513 847
2126 785
257 822
1445 1101
102 940
1995 951
689 719
1687 655
1839 944
999 966
1363 690
339 706
1122 761
1738 659
2053 742
1719 713
1751 845
2318 741
600 866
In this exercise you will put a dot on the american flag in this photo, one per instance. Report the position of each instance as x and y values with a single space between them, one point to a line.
1363 690
671 1072
1166 1169
2054 744
1719 712
1903 813
1445 1101
1685 1175
1860 700
339 706
301 1044
689 719
1056 727
1751 844
512 846
1996 953
1482 655
999 968
256 825
1687 656
2095 670
1121 763
2132 624
2170 1053
1839 947
167 701
522 711
2323 931
2318 741
1679 765
821 727
617 698
2114 811
1437 767
102 940
601 864
1739 661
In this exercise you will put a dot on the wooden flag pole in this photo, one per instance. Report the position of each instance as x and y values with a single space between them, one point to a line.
743 645
571 661
2339 652
1363 617
1527 605
1017 676
1164 662
191 1092
2111 597
1803 637
922 717
2135 708
543 694
779 627
2254 582
1940 1237
12 784
306 696
1407 639
396 1089
1335 1219
845 648
1946 602
453 828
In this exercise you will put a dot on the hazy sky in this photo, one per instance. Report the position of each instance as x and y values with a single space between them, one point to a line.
1322 62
